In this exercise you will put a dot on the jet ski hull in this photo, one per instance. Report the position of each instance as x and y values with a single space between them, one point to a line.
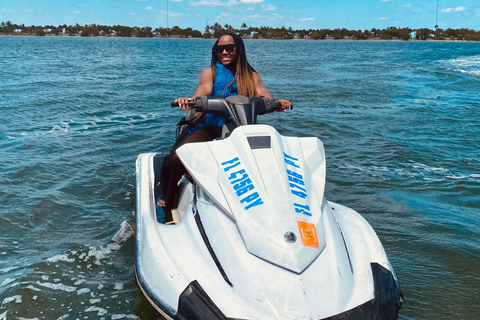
199 268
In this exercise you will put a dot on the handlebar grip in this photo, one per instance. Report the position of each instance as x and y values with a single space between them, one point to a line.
191 104
278 106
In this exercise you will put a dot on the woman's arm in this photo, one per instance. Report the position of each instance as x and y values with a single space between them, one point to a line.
263 92
205 88
260 88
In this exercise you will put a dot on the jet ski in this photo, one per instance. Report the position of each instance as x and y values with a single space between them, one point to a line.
254 236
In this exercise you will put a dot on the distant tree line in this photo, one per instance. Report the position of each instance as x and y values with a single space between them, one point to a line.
217 30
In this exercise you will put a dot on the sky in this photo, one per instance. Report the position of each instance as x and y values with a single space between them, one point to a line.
297 14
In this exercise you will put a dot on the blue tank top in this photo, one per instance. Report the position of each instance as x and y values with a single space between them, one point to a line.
223 77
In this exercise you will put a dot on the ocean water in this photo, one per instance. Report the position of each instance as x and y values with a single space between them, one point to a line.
400 122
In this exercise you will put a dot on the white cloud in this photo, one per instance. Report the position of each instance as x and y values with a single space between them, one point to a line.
382 18
306 19
220 3
457 9
148 8
269 7
408 5
170 13
385 0
212 3
224 15
6 9
83 5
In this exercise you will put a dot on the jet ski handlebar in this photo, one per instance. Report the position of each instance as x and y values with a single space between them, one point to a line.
213 104
191 104
239 109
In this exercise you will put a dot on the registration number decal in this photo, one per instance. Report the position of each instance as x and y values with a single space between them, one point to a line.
241 183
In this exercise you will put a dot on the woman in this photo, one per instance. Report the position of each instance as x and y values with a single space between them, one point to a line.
229 74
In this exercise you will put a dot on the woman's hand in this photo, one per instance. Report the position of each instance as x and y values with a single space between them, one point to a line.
285 104
183 103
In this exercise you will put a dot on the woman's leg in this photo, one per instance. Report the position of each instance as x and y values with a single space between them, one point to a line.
173 169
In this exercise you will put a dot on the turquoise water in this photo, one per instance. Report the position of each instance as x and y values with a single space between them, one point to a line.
399 120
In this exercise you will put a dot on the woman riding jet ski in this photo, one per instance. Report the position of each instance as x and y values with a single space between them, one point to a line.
229 74
254 236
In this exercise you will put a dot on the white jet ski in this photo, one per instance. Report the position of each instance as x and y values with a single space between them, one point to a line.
254 236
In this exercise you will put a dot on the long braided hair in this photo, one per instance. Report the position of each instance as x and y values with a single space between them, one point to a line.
244 71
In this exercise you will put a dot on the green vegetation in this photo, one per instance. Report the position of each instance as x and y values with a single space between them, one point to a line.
216 30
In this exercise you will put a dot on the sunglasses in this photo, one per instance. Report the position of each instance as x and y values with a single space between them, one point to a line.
229 48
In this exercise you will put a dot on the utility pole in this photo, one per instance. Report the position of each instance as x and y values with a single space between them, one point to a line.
436 18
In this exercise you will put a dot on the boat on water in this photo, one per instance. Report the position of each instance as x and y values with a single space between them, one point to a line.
254 236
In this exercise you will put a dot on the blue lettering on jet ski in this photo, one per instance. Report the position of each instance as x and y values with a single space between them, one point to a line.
234 162
242 184
303 209
254 196
296 182
288 160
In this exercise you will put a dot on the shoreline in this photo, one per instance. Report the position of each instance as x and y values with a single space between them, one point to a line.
249 38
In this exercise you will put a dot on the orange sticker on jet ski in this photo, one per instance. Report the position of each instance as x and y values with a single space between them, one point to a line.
308 232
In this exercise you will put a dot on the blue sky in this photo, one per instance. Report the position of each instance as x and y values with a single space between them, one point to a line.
314 14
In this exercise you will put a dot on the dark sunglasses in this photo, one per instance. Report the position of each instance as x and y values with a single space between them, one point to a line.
229 47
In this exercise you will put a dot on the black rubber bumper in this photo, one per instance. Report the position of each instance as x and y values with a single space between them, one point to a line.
195 304
388 299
